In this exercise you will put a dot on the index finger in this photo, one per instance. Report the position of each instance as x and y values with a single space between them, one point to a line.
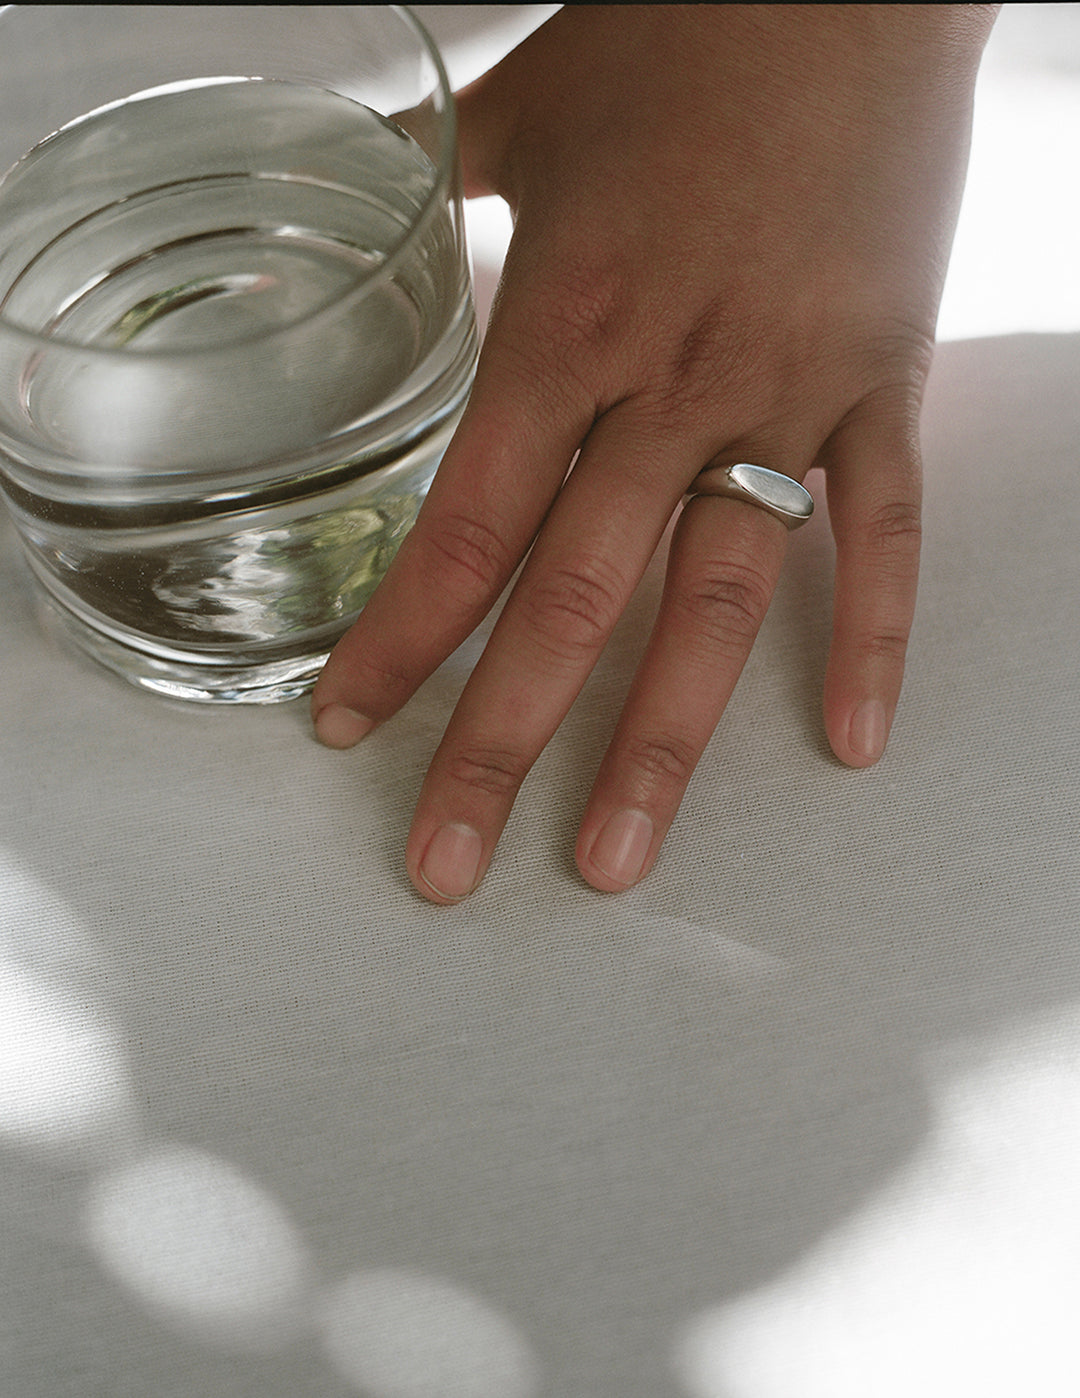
502 469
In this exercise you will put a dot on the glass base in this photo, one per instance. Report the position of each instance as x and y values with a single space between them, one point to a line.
204 680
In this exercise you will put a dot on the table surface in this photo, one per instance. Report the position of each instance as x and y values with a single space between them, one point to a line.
796 1117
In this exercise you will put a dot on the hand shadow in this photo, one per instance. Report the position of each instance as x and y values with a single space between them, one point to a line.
603 1116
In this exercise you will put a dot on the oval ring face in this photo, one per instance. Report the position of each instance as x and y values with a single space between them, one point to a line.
781 496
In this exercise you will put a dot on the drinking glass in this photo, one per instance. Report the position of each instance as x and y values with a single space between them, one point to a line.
236 325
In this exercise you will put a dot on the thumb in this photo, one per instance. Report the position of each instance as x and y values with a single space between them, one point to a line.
481 139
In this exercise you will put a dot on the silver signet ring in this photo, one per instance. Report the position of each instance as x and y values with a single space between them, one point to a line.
785 499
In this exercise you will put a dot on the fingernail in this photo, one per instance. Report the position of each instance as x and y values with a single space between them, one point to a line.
339 727
451 861
867 732
622 846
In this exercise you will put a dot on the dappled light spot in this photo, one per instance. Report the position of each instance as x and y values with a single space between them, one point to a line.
64 1085
959 1277
400 1334
202 1247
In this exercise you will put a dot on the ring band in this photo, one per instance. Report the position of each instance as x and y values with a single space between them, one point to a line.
780 496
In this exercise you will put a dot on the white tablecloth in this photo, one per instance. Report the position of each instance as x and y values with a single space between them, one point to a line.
799 1115
798 1118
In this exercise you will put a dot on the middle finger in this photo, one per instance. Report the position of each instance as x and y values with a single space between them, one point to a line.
723 566
602 531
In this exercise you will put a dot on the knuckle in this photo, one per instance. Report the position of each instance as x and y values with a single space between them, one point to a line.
711 352
468 558
584 309
581 320
577 331
366 674
389 684
895 528
728 607
495 772
663 756
888 644
572 610
718 353
900 355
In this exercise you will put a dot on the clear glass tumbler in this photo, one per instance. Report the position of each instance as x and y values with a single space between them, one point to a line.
236 324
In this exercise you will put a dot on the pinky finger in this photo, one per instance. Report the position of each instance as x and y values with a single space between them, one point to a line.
874 478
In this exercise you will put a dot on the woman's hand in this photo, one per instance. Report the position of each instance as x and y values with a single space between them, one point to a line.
732 224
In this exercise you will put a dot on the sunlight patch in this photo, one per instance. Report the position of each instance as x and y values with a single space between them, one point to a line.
399 1334
202 1246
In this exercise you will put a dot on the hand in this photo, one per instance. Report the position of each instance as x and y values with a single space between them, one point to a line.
732 224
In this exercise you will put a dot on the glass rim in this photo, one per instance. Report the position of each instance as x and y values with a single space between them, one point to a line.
444 174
